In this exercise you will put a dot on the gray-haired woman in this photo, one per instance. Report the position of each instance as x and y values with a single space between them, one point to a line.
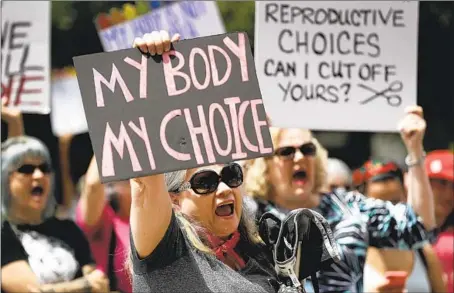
39 252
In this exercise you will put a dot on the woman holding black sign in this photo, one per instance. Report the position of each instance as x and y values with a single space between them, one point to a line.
190 230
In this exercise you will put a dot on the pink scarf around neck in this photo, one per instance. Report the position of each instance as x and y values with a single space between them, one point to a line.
227 248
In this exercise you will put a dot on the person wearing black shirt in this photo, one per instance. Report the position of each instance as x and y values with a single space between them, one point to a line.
39 252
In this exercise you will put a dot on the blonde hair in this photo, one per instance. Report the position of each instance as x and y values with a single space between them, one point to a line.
256 177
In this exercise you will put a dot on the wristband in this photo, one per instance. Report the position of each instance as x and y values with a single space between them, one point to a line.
414 162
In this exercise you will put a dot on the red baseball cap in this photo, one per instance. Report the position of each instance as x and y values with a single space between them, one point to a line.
440 165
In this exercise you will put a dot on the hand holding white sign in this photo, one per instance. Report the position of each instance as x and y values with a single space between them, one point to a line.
12 117
412 128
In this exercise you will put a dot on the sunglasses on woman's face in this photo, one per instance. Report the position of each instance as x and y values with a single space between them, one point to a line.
288 152
29 169
207 181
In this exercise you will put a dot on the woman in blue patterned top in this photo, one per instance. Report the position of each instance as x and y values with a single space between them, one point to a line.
295 176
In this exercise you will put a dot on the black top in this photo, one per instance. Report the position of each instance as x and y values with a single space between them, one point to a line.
56 250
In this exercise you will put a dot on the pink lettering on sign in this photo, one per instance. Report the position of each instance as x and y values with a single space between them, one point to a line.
214 68
143 74
240 51
170 73
247 142
114 78
143 134
192 69
118 143
211 70
203 130
231 102
258 124
162 134
225 119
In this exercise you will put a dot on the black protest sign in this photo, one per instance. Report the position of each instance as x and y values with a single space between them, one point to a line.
197 105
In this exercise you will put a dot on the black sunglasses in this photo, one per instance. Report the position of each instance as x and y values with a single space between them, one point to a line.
29 169
288 152
207 181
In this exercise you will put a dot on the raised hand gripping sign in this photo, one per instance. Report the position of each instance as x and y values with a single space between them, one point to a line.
197 105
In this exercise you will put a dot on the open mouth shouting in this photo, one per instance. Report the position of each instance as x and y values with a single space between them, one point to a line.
225 209
37 191
299 177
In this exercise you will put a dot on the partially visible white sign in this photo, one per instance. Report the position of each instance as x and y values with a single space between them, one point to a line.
188 18
67 116
25 62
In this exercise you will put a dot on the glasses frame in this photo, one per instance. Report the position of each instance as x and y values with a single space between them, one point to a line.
295 149
45 168
188 184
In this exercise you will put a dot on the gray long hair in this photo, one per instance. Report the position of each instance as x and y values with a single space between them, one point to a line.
15 151
175 179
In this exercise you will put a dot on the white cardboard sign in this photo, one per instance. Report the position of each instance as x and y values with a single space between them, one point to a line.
190 19
344 65
67 116
26 55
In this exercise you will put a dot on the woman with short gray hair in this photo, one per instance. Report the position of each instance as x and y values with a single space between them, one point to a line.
39 252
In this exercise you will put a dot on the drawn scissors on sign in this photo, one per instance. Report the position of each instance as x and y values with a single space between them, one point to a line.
393 100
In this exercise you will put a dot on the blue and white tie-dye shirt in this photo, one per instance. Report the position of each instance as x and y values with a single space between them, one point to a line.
358 222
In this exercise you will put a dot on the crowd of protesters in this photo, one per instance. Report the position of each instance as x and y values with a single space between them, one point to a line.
196 230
